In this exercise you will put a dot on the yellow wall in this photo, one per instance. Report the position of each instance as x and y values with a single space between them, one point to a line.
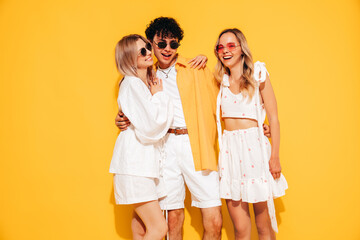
58 103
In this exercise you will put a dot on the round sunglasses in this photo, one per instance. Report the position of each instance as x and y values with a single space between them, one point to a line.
173 44
230 46
143 51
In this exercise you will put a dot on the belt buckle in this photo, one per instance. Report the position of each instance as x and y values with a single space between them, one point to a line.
175 132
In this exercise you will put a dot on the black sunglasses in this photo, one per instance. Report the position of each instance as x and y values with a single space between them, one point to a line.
173 44
143 51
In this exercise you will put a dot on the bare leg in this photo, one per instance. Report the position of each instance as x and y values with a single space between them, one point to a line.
212 222
137 227
263 222
176 221
151 215
240 216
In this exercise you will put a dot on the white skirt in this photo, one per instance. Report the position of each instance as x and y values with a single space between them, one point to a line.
244 174
130 189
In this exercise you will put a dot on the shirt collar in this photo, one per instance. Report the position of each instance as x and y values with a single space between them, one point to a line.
181 61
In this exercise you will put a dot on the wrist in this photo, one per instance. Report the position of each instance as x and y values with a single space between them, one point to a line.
274 156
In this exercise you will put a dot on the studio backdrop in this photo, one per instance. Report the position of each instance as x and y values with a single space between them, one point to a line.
58 89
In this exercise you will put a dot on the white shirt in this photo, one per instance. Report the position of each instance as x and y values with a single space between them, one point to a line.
137 150
168 77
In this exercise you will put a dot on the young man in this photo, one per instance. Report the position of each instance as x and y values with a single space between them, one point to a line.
191 141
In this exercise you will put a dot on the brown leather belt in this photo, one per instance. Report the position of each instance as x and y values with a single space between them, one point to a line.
178 131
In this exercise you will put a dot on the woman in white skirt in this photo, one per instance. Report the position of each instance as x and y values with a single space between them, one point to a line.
138 157
249 166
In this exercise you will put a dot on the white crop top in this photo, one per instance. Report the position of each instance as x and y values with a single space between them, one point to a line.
238 106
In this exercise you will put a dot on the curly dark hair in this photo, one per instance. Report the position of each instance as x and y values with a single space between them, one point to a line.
164 27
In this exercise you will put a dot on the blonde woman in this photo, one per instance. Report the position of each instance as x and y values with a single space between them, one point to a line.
137 158
249 166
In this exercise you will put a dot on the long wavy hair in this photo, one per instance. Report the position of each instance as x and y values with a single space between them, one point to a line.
126 54
247 81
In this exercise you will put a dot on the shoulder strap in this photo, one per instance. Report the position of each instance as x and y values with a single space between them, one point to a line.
260 72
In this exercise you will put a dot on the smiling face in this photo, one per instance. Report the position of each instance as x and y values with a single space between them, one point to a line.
166 56
143 62
230 53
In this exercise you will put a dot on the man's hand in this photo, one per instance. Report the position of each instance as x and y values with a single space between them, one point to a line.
121 121
198 62
267 132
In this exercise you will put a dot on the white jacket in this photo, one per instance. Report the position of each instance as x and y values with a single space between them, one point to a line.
138 149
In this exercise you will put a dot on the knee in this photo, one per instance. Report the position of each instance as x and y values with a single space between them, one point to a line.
264 228
176 219
137 228
162 230
158 232
138 233
242 230
214 224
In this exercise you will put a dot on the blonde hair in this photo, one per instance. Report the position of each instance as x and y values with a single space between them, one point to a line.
247 82
126 56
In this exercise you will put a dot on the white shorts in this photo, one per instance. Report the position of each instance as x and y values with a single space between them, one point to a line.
179 169
130 189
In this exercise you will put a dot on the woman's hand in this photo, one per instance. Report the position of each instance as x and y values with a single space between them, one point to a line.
121 121
156 86
275 168
198 62
267 131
